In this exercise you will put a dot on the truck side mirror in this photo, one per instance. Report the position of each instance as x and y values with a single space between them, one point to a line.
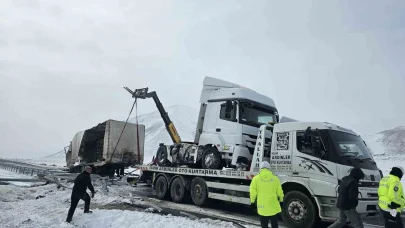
308 132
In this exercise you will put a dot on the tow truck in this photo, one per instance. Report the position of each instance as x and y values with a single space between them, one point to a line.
310 158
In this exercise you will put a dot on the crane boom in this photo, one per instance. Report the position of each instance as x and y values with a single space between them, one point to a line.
143 94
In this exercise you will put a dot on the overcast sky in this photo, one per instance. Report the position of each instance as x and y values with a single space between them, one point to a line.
63 63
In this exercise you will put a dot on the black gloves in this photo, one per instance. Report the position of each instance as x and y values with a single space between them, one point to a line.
92 195
394 205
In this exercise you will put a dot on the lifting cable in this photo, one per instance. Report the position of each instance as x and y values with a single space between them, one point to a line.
123 132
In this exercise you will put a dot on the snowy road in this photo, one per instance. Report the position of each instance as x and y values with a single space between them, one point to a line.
47 206
114 205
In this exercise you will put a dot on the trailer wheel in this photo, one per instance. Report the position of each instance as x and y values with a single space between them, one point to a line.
210 158
298 210
161 188
177 190
199 191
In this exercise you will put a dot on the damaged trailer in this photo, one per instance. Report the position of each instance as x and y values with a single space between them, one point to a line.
107 147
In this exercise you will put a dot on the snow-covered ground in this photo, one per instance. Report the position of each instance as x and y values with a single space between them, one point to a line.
20 208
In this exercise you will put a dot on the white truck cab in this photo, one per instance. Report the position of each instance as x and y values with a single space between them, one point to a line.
229 119
310 159
313 157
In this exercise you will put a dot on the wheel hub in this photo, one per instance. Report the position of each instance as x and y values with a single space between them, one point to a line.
198 191
209 160
160 187
178 190
297 210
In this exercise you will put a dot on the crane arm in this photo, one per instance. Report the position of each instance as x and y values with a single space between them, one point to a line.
143 94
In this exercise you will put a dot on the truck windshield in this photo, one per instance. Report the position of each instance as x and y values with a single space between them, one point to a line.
348 145
255 116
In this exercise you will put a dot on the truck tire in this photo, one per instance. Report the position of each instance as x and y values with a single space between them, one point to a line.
161 188
298 210
199 191
211 158
177 190
161 155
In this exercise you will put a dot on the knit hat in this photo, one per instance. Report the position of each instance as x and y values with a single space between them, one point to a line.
397 171
264 165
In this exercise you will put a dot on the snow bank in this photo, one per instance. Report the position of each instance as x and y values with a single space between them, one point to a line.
47 206
119 218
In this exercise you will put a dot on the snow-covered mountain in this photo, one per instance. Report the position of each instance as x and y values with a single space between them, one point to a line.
56 159
388 142
184 119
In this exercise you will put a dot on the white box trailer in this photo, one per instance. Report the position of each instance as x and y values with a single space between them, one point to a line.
309 163
105 148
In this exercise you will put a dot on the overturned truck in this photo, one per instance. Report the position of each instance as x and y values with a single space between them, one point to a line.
108 147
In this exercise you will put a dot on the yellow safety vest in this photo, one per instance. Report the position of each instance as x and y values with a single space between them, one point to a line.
265 190
390 190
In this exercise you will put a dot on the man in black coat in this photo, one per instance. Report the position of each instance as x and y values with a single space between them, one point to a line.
348 200
81 183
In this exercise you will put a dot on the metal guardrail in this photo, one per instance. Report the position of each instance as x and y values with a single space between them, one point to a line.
27 170
42 174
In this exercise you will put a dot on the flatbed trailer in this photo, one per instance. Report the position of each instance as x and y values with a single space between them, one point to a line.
309 185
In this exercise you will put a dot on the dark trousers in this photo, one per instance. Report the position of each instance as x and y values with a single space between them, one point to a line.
392 222
350 215
74 200
264 221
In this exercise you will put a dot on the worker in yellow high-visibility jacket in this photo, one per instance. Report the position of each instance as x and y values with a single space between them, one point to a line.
266 195
391 199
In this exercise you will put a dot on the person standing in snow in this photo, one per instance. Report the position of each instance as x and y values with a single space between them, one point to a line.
348 200
81 183
391 197
266 195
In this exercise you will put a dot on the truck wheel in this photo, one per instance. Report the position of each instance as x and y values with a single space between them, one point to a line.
161 188
199 191
211 158
298 210
177 190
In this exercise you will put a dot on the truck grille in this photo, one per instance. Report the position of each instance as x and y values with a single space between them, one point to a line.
369 184
372 195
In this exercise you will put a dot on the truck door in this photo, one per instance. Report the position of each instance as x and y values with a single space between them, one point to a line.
220 125
313 164
227 125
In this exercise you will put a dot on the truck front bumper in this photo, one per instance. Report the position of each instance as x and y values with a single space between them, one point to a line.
367 207
329 212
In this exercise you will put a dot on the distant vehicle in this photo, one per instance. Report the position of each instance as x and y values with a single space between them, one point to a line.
102 147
